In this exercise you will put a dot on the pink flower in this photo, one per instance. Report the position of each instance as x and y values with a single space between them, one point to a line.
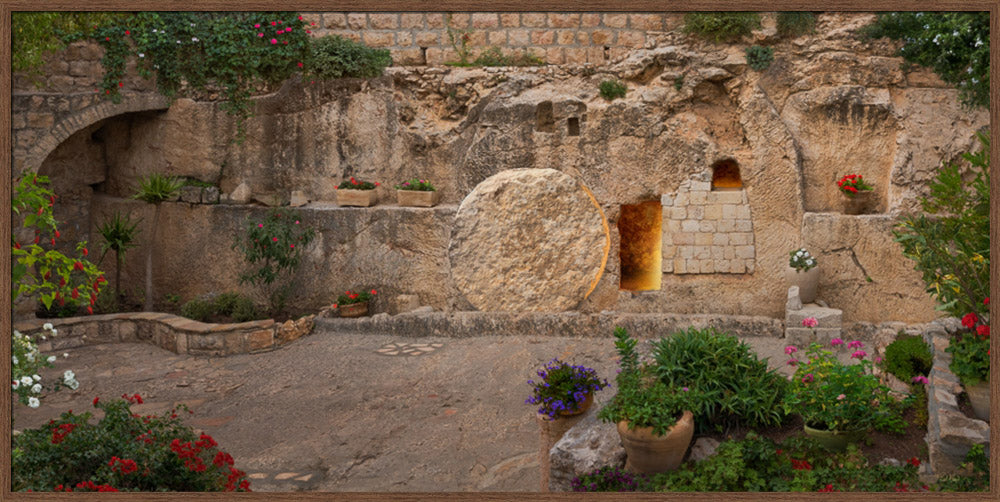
789 350
841 397
260 225
919 379
274 23
300 64
878 359
860 354
810 322
293 246
275 239
855 344
808 378
685 389
835 342
260 35
296 222
274 41
792 362
256 25
280 32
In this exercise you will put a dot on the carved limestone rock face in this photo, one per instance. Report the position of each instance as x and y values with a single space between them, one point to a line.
528 240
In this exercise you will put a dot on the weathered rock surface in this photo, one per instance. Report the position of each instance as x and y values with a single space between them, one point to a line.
528 240
702 448
588 445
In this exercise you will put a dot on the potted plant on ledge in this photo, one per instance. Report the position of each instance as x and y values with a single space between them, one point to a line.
564 390
838 402
351 304
654 420
803 272
417 193
357 193
858 193
970 360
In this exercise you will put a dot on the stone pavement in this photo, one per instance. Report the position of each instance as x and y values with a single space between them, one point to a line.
335 412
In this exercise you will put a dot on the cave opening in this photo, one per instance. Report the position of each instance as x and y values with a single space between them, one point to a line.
726 175
641 240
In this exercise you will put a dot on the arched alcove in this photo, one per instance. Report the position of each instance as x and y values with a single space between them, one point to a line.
726 175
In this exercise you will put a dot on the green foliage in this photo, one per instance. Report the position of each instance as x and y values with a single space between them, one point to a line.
801 260
610 479
156 188
738 387
122 452
416 184
333 57
119 235
643 399
977 462
793 24
459 41
198 309
951 243
908 357
679 82
495 57
272 249
193 182
350 297
563 387
970 359
832 395
956 45
721 26
612 89
354 184
244 310
37 34
759 58
233 305
56 279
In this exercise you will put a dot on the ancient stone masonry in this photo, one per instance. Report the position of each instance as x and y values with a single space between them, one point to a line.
706 231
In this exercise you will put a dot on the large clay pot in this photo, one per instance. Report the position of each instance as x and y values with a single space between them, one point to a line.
834 441
582 407
417 198
807 282
647 453
979 398
353 309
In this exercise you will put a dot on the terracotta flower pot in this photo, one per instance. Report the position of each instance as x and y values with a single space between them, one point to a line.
835 441
417 198
979 398
807 282
361 198
648 453
353 309
859 203
582 407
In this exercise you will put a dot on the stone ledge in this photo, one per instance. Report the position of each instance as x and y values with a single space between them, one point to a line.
468 324
170 332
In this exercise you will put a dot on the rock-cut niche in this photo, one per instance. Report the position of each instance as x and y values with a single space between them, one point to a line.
640 228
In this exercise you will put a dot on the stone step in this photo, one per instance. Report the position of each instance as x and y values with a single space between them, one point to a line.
827 317
802 337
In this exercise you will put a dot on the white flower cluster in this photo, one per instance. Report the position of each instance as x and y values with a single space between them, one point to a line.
801 260
26 360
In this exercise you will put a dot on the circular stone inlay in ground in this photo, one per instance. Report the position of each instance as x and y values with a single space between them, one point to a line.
528 240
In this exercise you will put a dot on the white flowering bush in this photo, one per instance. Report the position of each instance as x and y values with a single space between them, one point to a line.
27 361
801 260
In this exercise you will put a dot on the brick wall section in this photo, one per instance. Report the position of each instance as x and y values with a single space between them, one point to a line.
706 231
419 38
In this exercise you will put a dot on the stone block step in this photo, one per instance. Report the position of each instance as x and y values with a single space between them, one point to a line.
827 317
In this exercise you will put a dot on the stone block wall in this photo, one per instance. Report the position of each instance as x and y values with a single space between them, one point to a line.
422 38
706 231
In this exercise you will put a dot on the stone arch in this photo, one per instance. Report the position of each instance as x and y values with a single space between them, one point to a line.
75 122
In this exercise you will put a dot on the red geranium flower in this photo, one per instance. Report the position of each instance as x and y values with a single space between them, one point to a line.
983 330
969 320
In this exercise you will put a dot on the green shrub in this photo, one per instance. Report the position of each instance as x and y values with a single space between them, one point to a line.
495 57
224 303
336 57
978 462
612 89
122 452
198 309
793 24
721 26
955 44
759 58
272 249
908 357
244 310
950 241
739 387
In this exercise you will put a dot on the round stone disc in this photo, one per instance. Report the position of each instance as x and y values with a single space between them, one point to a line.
530 240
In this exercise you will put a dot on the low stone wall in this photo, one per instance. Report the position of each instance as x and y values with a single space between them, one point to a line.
467 324
170 332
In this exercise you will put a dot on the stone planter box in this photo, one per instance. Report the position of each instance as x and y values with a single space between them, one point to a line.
417 198
360 198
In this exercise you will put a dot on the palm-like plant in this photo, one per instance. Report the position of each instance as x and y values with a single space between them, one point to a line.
119 235
155 189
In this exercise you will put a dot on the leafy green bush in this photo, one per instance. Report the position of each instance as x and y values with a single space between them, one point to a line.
721 26
272 248
950 244
495 57
122 452
225 302
955 44
793 24
908 357
198 309
119 234
36 34
739 388
612 89
244 310
759 58
336 57
978 462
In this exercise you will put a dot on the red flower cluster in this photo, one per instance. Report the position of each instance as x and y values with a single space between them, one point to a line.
828 488
233 480
133 399
972 321
801 465
60 432
852 184
914 462
91 486
125 466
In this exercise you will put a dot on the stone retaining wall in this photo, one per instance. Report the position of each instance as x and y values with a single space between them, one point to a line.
170 332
